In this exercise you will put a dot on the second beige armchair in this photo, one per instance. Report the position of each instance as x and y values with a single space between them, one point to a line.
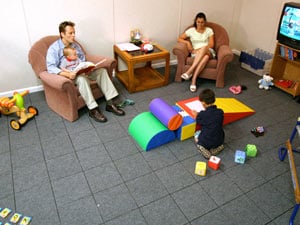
215 68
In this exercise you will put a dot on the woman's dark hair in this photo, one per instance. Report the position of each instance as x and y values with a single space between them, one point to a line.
207 96
200 15
63 25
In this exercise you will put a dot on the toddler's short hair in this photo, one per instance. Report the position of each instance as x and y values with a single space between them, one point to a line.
68 50
207 96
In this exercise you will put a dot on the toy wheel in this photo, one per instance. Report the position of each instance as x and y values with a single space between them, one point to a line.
15 125
33 110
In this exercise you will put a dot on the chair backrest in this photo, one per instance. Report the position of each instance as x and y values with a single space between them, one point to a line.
220 34
38 52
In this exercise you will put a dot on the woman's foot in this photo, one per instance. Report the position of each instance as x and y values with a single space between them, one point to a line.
185 76
193 88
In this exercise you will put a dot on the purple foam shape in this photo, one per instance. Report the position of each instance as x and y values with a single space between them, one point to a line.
165 113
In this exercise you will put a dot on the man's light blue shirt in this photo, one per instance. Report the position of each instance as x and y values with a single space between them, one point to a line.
55 55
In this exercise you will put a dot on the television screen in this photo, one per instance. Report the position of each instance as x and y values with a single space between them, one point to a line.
290 22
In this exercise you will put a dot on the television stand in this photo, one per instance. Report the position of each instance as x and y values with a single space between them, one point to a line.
285 69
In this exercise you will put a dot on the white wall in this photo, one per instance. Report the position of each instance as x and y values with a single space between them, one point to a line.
101 23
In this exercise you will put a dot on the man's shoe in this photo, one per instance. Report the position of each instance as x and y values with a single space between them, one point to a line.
115 110
97 115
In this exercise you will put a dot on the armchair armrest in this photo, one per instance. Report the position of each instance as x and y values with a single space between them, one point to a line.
55 81
224 52
180 49
225 56
110 64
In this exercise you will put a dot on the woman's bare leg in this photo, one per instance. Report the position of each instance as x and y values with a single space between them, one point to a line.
199 55
199 68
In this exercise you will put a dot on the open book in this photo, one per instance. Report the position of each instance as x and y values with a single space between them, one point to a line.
85 67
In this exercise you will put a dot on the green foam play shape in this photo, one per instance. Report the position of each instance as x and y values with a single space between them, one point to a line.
149 132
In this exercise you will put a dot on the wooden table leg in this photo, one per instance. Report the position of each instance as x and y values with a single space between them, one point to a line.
131 78
167 70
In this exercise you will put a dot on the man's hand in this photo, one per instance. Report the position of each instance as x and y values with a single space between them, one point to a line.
68 74
190 47
72 75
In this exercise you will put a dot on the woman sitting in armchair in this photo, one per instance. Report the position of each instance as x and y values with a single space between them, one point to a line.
200 45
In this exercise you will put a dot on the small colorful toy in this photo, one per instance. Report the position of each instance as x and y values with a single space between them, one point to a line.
25 220
16 105
265 82
251 150
15 218
214 162
200 168
258 131
5 212
240 156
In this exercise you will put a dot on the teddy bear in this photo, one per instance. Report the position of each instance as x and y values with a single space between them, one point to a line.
265 82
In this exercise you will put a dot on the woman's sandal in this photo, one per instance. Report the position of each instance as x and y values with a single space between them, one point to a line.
185 76
193 88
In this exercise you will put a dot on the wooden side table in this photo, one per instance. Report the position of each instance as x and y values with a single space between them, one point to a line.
142 78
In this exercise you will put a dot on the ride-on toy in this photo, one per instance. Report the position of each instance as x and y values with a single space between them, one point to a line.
16 105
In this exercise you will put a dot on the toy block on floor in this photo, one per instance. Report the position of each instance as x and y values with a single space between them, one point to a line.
251 150
188 126
214 162
200 168
233 109
240 157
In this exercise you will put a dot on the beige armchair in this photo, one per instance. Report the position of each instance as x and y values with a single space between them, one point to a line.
215 68
61 94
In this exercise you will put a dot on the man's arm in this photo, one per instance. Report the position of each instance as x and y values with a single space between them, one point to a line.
53 61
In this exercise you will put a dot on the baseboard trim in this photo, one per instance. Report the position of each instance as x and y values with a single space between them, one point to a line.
162 64
236 52
30 89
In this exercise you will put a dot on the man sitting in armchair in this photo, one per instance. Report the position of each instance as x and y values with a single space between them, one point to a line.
53 60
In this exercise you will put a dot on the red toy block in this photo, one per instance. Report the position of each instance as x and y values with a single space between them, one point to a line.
214 162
